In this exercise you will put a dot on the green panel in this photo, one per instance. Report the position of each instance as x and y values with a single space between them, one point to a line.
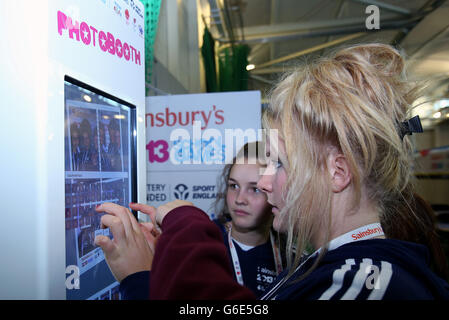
152 8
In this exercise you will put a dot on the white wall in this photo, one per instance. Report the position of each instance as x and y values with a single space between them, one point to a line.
176 47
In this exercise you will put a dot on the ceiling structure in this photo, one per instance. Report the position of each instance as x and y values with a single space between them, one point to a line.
281 32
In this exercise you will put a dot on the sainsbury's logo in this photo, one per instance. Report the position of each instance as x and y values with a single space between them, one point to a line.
184 118
367 232
91 36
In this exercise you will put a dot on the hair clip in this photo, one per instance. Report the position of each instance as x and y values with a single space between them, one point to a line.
410 126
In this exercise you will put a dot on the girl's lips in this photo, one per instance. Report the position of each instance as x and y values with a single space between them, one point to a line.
241 213
274 209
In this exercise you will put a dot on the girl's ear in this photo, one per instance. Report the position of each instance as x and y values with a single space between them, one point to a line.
339 171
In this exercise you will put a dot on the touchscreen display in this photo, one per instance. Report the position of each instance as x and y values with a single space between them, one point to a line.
99 167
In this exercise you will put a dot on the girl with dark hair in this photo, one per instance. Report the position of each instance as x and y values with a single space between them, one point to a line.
245 219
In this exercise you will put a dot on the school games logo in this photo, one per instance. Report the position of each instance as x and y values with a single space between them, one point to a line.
180 192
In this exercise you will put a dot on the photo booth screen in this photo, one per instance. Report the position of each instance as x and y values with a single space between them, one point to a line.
100 166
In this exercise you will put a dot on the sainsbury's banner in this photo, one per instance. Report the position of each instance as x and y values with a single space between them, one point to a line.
191 137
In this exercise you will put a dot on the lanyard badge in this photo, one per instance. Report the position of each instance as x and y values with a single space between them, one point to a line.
236 261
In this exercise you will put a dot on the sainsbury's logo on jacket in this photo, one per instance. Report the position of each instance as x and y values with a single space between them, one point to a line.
367 232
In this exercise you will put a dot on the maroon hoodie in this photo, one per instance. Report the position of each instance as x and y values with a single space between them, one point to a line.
193 265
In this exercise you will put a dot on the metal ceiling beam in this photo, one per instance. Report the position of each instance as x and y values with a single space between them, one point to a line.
286 29
431 26
340 9
215 22
320 28
274 12
270 70
261 79
310 50
255 51
386 6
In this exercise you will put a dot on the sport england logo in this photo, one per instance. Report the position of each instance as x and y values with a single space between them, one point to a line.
180 192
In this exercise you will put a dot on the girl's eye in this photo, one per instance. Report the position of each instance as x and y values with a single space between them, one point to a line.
232 186
276 163
256 190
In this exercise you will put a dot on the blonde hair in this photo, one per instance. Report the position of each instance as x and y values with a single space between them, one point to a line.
353 100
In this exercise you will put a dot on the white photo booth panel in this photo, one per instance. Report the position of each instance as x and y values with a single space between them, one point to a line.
50 52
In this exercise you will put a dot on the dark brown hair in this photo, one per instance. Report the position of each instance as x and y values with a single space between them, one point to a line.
422 230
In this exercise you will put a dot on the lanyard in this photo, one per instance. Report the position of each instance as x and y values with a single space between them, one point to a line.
363 233
236 261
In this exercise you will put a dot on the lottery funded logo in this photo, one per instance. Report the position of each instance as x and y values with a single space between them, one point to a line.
181 192
156 192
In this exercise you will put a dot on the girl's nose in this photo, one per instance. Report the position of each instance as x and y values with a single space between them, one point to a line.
265 181
241 198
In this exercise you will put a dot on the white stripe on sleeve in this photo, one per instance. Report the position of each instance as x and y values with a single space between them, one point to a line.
337 280
359 281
